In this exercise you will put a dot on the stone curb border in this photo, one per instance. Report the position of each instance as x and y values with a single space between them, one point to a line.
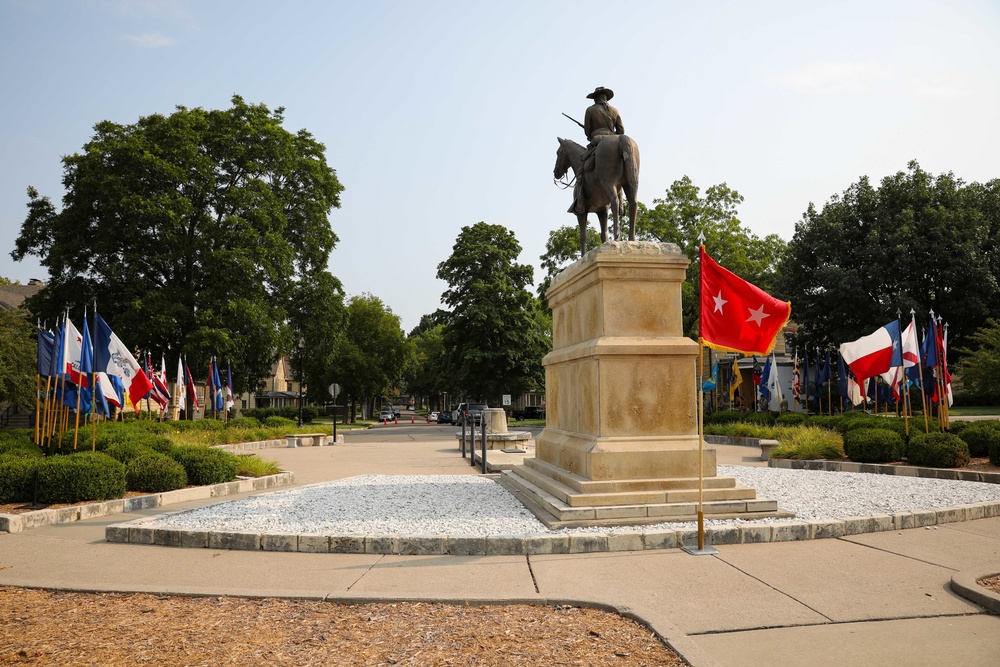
624 539
15 523
965 584
881 469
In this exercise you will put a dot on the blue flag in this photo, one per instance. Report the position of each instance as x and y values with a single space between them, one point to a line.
711 382
842 378
765 375
217 388
929 351
46 343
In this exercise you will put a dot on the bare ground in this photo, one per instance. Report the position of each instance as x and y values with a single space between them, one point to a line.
41 627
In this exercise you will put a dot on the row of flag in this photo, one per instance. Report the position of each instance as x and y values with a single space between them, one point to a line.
93 372
737 316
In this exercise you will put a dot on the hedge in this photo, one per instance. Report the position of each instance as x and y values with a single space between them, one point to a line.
155 473
127 451
80 476
979 438
289 412
938 450
204 465
873 445
16 478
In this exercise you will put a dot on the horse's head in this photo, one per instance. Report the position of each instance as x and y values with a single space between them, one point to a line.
562 161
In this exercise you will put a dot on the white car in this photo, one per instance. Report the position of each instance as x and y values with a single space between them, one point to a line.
387 415
432 417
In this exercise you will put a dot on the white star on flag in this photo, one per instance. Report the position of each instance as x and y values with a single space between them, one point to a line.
757 315
719 302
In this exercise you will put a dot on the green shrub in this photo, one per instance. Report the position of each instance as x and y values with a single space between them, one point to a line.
251 465
274 421
994 453
80 476
204 465
16 478
24 449
937 450
807 443
873 445
244 422
790 419
762 418
979 438
209 424
126 451
829 422
723 417
958 427
155 473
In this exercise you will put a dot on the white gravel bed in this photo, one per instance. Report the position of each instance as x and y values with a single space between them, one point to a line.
464 505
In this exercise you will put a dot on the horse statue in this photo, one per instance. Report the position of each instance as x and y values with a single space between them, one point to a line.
616 171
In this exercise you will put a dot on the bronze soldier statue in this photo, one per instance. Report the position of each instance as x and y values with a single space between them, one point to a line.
600 121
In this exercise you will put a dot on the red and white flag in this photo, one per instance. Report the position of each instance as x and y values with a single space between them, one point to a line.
873 354
737 316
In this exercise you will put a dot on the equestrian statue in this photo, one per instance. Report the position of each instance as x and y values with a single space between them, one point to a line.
603 171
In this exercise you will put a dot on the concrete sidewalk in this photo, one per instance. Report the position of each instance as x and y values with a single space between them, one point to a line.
875 599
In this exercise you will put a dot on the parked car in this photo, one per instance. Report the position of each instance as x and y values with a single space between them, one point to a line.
387 415
471 413
444 417
432 417
529 412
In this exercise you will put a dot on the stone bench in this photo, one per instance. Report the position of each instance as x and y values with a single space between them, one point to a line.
307 439
766 447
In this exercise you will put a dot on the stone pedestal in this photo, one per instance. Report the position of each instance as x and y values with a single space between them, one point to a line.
621 438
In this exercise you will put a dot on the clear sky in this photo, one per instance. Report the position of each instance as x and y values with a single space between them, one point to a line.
437 115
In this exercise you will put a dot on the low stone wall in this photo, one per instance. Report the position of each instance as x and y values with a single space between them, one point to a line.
15 523
884 469
625 539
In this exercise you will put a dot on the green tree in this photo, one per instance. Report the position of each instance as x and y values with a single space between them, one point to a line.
190 230
684 214
371 356
916 241
494 338
980 365
561 249
318 317
426 373
18 353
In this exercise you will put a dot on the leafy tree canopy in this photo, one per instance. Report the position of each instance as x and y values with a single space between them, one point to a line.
980 365
371 356
18 352
496 335
191 231
916 241
680 217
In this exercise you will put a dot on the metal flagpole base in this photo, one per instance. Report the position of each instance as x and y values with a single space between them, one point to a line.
705 551
702 549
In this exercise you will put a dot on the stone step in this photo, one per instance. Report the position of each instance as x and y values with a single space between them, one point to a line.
583 485
537 498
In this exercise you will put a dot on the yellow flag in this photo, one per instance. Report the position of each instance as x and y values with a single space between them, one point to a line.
734 380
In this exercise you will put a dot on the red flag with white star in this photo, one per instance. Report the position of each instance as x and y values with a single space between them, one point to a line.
737 316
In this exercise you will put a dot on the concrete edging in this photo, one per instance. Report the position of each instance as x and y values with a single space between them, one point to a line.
15 523
966 585
884 469
625 539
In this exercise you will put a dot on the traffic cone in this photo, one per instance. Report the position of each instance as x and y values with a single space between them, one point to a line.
411 420
396 421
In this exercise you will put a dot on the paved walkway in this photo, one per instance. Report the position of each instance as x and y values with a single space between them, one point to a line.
873 599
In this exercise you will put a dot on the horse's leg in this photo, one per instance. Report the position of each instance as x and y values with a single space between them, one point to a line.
582 221
612 194
632 209
602 215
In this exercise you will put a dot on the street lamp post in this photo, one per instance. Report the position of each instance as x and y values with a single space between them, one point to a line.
302 347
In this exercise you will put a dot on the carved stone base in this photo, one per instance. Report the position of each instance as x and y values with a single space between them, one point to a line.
621 438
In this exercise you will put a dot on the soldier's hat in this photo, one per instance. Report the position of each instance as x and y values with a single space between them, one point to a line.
608 93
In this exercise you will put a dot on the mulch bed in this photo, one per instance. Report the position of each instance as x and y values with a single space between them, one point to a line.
113 629
991 583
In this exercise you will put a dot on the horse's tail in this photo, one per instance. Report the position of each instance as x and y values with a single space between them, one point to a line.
630 157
